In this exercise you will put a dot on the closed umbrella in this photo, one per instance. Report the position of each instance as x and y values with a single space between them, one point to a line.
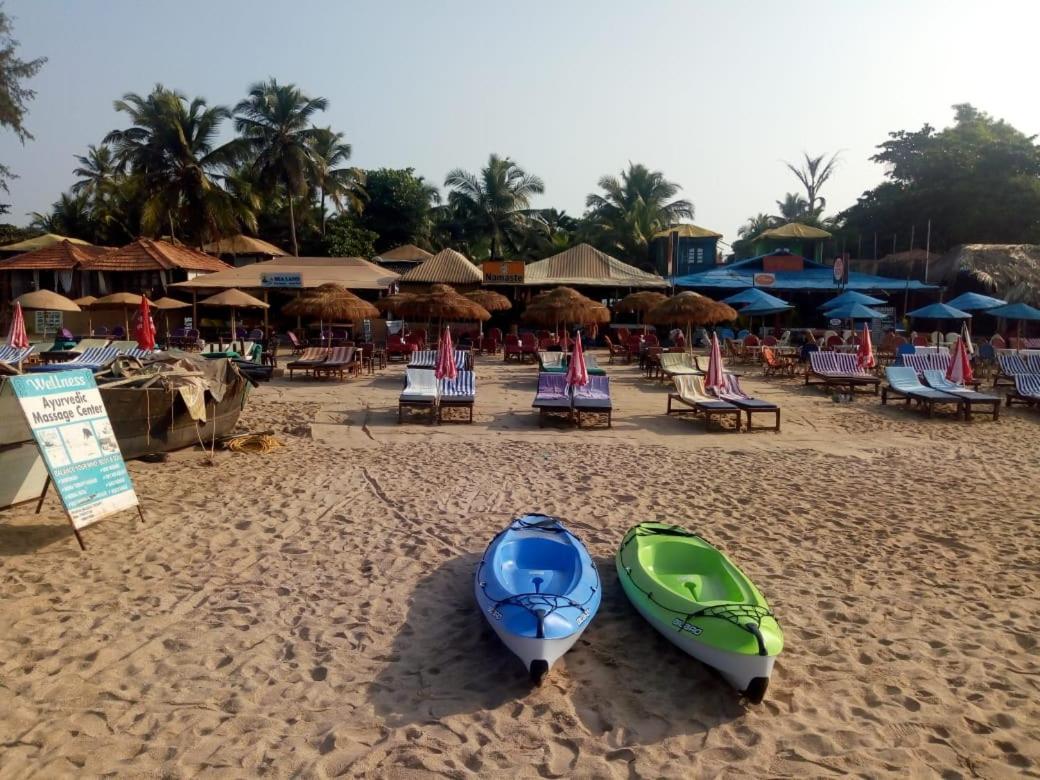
715 380
17 337
445 367
577 371
966 338
865 353
145 327
960 366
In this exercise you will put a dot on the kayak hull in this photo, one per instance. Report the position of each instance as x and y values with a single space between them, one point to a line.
538 588
695 597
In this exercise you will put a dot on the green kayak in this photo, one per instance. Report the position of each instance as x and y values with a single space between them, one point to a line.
694 595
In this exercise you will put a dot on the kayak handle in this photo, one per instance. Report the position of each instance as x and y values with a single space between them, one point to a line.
754 629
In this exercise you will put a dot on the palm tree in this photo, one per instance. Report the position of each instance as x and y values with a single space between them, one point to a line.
634 207
169 150
493 205
275 123
343 186
794 208
755 226
813 175
70 215
97 170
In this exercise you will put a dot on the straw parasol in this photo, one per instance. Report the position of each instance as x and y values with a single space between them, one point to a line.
689 309
392 302
640 302
564 305
331 302
45 300
234 299
443 303
85 303
166 305
123 300
490 300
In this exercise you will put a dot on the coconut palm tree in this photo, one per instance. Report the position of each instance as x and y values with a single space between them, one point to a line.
631 209
70 215
344 186
275 124
97 170
794 208
813 174
170 150
494 204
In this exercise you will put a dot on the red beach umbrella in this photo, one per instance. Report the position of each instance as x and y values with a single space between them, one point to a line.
865 353
715 379
145 328
445 367
17 337
960 366
577 372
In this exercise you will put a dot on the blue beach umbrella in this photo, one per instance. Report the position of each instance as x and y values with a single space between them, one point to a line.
851 296
755 297
853 311
939 311
975 302
1016 311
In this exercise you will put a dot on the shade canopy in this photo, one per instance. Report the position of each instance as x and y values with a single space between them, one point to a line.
756 296
971 301
236 299
854 311
46 300
490 300
243 245
120 300
441 302
939 311
584 265
1011 311
86 301
39 242
851 296
331 302
793 230
391 303
170 303
641 302
690 308
354 273
563 305
761 309
445 267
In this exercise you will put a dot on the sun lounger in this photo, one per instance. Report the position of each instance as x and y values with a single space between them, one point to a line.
971 397
1026 390
1008 367
93 359
420 392
427 358
340 360
309 358
838 369
593 398
13 355
903 383
734 394
551 361
460 392
691 394
84 344
553 395
678 364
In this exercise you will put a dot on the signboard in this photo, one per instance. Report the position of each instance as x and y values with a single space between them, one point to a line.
285 279
69 422
47 321
839 270
773 263
764 280
503 271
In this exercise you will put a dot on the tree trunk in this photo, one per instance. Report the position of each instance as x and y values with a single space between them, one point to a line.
323 212
292 222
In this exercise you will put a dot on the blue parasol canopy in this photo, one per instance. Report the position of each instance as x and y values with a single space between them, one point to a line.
760 309
851 296
756 297
1015 311
939 311
975 302
854 311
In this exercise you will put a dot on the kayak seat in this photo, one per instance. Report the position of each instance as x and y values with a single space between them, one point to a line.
537 565
692 572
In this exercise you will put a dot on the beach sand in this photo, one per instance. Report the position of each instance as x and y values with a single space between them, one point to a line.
309 612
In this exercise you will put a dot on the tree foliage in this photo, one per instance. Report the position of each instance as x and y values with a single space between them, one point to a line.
398 208
14 96
344 237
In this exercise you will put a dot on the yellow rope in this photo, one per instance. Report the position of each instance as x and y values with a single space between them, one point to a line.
256 442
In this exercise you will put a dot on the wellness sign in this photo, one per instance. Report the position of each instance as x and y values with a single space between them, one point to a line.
70 424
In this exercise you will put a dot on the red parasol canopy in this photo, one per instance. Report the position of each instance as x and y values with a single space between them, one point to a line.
577 372
715 379
865 353
960 366
18 338
445 367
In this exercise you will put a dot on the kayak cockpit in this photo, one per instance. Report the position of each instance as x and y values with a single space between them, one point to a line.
693 572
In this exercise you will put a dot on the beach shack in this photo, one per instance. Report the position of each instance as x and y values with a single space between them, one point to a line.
239 250
794 237
445 267
402 259
693 248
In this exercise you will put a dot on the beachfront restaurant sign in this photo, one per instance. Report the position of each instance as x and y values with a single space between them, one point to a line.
281 279
764 280
71 427
503 271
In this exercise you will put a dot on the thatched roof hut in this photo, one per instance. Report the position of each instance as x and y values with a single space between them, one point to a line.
1009 271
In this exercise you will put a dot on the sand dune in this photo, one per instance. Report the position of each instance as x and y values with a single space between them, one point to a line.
309 612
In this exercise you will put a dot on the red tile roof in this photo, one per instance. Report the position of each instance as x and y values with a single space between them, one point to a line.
146 254
62 256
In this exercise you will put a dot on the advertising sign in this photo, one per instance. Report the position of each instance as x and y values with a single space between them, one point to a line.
70 424
503 271
764 280
287 279
839 270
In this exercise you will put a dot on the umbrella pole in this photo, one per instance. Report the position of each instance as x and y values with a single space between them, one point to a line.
234 332
126 320
266 311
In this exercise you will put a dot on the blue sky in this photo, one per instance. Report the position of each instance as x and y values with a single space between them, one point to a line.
716 95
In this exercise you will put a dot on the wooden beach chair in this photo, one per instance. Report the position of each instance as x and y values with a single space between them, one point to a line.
734 394
93 359
340 360
308 360
691 394
457 393
971 397
1026 390
903 383
420 392
838 369
1009 367
552 396
593 398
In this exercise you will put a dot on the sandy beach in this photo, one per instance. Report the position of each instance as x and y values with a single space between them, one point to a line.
309 613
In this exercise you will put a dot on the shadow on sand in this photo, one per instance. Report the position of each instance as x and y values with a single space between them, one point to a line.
621 673
28 539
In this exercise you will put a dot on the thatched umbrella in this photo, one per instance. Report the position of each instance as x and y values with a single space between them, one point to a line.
641 302
45 300
166 305
85 303
565 306
689 309
234 299
123 300
490 300
390 303
443 303
331 302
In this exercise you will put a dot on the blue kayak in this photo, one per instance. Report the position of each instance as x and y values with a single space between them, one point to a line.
539 589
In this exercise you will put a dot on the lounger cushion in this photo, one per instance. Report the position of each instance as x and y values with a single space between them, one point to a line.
420 386
461 389
594 395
